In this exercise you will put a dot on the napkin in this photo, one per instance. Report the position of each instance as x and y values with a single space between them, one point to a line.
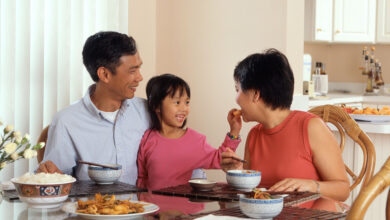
7 185
214 217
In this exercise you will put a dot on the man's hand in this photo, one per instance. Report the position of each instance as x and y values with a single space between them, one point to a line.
48 167
227 163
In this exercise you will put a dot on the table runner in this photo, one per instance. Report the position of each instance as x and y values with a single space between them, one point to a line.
87 188
224 192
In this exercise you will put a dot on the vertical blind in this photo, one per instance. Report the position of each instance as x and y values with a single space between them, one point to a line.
41 69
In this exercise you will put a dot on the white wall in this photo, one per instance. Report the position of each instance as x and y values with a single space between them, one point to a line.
203 40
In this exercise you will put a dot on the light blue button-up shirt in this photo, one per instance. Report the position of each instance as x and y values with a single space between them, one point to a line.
80 132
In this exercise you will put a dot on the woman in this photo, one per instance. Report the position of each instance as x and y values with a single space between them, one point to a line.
294 150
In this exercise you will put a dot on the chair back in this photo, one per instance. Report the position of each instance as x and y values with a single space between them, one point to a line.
347 125
369 192
42 138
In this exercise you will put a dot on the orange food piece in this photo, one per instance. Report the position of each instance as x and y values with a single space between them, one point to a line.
237 112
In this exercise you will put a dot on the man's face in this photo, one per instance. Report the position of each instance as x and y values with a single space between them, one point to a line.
124 82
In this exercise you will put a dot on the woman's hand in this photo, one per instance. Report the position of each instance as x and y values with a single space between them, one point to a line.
235 122
227 163
292 184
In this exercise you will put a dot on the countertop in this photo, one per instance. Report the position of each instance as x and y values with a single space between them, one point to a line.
347 98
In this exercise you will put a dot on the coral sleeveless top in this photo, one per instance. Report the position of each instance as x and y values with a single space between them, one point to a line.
283 151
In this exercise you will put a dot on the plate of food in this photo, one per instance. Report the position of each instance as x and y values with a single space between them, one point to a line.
107 207
371 118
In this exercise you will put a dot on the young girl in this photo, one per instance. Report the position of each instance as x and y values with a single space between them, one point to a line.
169 152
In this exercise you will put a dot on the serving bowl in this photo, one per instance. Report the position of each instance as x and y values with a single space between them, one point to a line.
43 195
243 180
261 208
202 184
104 176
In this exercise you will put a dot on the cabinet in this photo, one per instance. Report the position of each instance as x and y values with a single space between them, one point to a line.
354 20
318 20
341 20
383 27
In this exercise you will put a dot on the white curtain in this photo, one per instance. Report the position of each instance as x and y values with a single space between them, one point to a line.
41 69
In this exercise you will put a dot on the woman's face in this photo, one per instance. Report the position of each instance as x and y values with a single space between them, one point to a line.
246 100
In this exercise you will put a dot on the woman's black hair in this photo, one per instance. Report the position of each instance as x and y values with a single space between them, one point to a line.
160 87
270 74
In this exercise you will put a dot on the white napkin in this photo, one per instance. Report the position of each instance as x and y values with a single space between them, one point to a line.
214 217
7 185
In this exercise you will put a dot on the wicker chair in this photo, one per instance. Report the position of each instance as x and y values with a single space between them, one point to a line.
42 138
345 124
368 193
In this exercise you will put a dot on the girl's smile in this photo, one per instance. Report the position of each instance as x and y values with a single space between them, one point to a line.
174 110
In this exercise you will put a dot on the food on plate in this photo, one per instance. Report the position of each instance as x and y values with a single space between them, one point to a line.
368 111
247 171
237 112
40 178
258 194
108 205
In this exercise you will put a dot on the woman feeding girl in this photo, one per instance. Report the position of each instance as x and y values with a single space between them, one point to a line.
169 151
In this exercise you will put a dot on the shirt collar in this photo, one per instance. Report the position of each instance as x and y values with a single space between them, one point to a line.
93 109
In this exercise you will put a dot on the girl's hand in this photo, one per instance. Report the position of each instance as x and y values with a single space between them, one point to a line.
292 184
227 163
235 122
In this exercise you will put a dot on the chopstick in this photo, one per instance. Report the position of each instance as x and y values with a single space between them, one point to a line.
99 165
238 159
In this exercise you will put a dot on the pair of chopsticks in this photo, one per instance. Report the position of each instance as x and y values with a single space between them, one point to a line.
238 159
98 165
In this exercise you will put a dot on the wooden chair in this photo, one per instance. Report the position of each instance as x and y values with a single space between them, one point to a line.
369 192
345 124
42 138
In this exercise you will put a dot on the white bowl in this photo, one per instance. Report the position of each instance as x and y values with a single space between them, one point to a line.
202 184
103 175
244 180
43 195
261 208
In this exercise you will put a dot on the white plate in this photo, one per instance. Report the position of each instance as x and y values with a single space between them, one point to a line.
71 207
371 118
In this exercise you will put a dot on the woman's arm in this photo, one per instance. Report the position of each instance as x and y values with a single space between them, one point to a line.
327 158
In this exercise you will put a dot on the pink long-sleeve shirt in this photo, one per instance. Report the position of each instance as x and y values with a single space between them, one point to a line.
164 162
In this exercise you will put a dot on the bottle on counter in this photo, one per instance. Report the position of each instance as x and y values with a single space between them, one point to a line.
369 86
316 79
378 74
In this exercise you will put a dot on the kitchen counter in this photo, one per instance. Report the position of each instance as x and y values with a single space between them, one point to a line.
342 98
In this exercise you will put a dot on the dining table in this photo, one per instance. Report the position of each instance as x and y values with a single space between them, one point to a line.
178 202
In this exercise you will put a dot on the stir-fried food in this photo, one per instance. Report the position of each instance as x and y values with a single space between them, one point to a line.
258 194
108 205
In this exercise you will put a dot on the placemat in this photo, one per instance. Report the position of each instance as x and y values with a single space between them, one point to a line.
291 212
87 188
224 192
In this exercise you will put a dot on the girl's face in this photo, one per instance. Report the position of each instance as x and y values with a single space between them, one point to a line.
174 110
246 100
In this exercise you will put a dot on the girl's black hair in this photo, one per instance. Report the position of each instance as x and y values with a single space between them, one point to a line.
160 87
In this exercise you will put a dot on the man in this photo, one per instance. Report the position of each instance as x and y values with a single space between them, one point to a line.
107 124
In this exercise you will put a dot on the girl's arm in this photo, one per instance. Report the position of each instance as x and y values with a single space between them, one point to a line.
141 162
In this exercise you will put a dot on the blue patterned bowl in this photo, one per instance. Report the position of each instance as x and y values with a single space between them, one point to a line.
244 180
103 175
43 195
261 208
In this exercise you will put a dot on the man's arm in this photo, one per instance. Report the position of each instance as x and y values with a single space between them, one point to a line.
59 153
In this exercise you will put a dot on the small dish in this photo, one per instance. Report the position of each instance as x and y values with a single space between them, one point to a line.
202 184
104 176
